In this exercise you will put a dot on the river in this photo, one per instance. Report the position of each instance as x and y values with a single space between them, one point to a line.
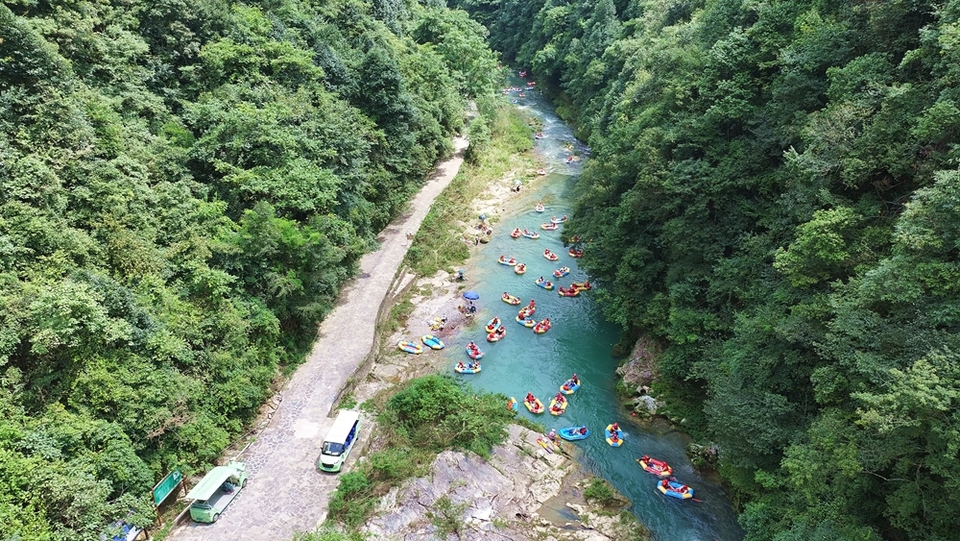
580 341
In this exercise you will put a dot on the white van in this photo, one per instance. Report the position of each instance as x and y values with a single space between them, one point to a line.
339 441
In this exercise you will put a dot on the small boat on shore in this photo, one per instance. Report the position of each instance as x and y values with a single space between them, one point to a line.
550 255
574 433
432 341
410 347
561 272
521 268
509 261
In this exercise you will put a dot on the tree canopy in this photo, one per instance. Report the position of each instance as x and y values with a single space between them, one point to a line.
184 187
774 196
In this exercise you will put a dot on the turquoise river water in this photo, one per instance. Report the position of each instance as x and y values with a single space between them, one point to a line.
580 341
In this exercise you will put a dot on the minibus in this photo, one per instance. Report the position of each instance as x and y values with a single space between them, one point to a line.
339 441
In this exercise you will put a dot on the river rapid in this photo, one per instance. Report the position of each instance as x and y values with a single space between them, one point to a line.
580 341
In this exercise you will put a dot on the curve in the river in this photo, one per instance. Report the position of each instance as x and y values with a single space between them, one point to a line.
580 341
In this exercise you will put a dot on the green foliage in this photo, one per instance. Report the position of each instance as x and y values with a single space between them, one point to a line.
186 186
447 516
602 493
429 415
773 195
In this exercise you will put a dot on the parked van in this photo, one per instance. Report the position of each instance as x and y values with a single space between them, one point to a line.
339 441
216 490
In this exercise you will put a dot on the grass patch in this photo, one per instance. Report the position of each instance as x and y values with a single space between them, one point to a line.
439 243
603 494
428 415
399 314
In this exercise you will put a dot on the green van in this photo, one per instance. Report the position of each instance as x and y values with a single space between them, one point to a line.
216 490
339 441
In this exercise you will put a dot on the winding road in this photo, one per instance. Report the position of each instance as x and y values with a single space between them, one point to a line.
286 493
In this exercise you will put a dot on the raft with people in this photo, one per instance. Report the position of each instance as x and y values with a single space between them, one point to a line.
528 310
467 368
561 272
525 321
574 433
510 299
571 385
573 252
550 255
533 235
432 341
571 292
497 335
558 405
521 268
516 233
545 284
542 327
657 467
474 351
671 488
539 207
410 347
493 325
512 404
549 227
533 404
508 261
581 286
614 435
555 220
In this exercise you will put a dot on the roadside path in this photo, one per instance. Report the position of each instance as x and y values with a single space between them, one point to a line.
285 492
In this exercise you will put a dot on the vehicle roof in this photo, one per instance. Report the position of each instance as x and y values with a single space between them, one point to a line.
211 482
342 426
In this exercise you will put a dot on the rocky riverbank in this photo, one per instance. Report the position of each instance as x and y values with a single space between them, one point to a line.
512 495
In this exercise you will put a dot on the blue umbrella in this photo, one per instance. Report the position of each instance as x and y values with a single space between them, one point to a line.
471 295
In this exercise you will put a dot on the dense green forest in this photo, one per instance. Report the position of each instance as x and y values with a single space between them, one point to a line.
775 197
184 186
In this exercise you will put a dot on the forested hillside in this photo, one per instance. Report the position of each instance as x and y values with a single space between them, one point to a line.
775 197
184 186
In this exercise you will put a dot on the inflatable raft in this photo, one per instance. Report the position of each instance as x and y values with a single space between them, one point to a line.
432 341
545 284
558 405
509 299
493 325
561 272
549 227
570 386
542 327
497 335
614 437
509 261
550 255
574 433
674 489
654 466
535 407
526 322
410 347
468 368
520 268
474 351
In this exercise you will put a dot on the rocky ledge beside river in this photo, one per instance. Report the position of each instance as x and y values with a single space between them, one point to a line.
522 492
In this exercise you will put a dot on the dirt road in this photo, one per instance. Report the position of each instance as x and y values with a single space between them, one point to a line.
286 493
